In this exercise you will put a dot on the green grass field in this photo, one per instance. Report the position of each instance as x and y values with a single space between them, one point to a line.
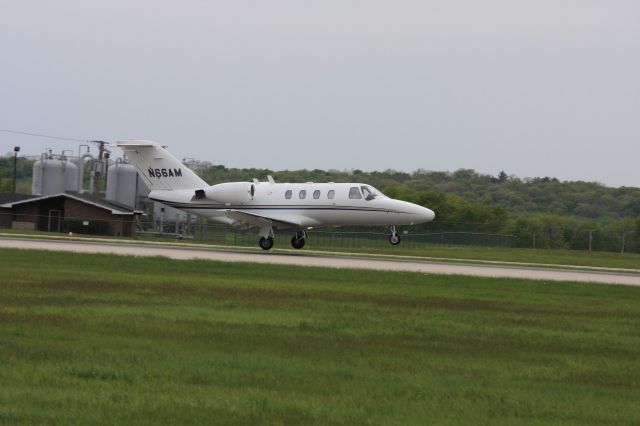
88 339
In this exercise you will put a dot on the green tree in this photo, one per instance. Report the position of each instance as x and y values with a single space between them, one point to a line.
524 230
552 232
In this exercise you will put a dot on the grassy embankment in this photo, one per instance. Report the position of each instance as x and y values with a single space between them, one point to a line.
123 340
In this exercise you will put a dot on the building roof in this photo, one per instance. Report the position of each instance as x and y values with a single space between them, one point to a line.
112 206
103 201
7 197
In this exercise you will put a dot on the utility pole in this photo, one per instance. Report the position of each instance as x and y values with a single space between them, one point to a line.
16 149
590 238
534 240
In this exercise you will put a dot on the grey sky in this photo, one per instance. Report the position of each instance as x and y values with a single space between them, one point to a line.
532 87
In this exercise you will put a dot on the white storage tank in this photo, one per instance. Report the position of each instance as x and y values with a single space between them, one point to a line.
53 176
124 185
70 176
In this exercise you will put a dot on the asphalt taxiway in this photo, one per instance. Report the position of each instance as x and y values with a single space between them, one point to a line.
332 261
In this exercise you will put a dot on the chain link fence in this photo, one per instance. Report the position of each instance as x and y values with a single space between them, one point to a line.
203 231
225 235
56 222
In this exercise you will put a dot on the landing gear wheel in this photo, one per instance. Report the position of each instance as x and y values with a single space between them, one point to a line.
266 243
394 238
297 243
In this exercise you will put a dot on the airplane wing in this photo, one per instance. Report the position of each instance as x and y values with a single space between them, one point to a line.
250 220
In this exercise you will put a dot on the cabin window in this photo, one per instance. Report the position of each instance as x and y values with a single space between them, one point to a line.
368 194
302 194
316 194
354 193
288 194
331 194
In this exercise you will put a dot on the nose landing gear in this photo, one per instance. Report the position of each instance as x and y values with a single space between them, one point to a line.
298 240
394 238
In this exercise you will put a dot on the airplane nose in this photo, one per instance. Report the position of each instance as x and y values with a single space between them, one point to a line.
416 213
426 215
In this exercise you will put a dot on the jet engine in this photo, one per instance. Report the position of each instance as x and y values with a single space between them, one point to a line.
231 192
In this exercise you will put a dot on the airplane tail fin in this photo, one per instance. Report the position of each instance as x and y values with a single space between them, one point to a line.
158 168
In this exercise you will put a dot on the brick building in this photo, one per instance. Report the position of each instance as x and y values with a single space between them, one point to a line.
66 212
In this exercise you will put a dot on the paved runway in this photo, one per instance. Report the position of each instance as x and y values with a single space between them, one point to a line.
327 261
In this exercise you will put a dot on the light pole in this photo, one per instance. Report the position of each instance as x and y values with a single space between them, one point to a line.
16 149
590 231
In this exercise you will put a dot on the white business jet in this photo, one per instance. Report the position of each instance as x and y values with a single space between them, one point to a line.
269 206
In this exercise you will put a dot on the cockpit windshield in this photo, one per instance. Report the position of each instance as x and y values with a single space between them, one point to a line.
369 192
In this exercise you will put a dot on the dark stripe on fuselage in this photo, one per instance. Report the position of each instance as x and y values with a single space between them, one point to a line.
194 206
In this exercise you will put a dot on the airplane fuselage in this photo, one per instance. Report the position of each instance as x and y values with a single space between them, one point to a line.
306 205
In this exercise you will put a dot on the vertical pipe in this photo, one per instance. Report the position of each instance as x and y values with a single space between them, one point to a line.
92 173
81 189
15 165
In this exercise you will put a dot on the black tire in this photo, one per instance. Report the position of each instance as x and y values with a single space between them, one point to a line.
394 239
297 243
266 243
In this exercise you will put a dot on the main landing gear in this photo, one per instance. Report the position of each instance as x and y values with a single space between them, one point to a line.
298 240
266 236
394 238
266 243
